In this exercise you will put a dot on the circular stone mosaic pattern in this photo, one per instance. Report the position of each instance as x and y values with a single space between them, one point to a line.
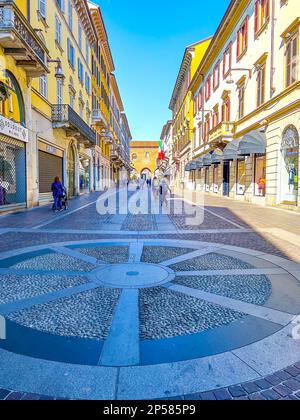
133 275
161 302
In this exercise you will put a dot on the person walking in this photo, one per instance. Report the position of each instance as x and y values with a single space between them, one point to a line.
155 187
58 193
164 189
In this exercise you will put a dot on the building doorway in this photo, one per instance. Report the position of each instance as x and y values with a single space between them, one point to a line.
71 172
226 178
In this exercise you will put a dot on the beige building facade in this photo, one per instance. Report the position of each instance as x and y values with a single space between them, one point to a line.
247 108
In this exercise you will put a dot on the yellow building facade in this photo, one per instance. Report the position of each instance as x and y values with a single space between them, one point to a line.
102 68
144 157
56 66
182 107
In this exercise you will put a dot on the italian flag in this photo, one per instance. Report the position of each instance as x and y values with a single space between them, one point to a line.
161 151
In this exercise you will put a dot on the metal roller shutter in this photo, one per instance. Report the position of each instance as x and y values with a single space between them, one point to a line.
50 166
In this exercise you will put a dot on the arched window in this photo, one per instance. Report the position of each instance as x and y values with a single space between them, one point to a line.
134 156
12 106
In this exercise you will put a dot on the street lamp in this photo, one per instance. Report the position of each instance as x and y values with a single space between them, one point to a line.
59 75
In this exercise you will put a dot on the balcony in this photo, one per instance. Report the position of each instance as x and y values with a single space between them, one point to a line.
222 133
63 116
20 41
115 153
98 119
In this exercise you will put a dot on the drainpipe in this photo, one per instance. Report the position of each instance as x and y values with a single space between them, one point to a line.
272 70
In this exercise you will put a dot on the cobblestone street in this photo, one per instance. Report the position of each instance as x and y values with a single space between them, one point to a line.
148 307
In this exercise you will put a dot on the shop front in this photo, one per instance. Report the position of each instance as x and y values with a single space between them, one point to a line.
290 166
84 174
241 177
13 139
253 146
51 160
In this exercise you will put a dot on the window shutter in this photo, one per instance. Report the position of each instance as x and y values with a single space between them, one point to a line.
256 23
238 44
267 9
247 32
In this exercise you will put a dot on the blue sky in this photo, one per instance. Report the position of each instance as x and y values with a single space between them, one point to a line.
148 39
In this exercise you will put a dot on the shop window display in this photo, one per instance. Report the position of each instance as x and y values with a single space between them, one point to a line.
216 180
241 177
207 186
260 183
290 170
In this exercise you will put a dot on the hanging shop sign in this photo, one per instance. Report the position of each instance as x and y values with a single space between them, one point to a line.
14 130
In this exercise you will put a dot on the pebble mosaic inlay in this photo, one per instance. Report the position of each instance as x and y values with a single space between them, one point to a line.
84 315
54 261
158 254
211 261
140 222
166 314
250 288
110 255
14 288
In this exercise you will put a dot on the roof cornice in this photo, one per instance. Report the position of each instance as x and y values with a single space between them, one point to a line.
83 11
234 10
102 34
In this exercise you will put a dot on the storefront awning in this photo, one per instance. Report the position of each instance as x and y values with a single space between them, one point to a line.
231 151
252 143
193 165
199 163
217 156
207 160
188 167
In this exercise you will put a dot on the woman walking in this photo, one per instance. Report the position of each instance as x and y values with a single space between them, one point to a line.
58 193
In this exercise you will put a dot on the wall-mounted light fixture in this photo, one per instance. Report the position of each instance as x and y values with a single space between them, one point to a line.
59 75
230 80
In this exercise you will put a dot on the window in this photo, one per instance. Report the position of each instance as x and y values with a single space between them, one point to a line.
226 110
80 71
216 77
242 38
260 175
80 36
71 54
208 88
206 129
216 179
70 14
87 83
227 60
61 5
134 156
261 84
241 94
44 86
57 30
241 177
216 116
87 51
43 8
291 55
72 100
262 15
59 92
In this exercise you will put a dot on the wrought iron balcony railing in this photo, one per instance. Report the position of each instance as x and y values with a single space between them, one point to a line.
21 41
63 116
98 118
